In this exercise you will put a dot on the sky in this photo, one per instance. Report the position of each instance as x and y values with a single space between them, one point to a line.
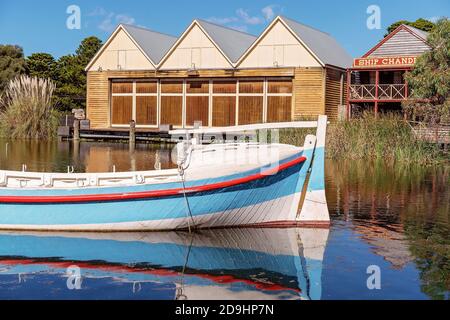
41 26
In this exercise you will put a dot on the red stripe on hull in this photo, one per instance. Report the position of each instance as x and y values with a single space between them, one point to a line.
148 194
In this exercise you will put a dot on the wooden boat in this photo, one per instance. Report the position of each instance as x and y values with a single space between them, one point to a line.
215 185
247 264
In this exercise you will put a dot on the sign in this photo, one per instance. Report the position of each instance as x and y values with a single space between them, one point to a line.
380 62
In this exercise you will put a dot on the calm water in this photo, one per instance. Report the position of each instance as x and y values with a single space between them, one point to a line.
395 218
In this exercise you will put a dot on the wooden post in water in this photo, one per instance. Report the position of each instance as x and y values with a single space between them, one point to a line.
132 133
76 130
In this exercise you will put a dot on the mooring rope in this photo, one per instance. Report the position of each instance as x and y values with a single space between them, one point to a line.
180 290
181 171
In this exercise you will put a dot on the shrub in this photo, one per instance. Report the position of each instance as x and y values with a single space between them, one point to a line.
26 110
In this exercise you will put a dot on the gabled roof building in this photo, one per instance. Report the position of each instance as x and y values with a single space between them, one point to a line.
376 80
215 75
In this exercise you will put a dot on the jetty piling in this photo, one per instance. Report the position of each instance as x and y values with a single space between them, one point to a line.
76 130
132 133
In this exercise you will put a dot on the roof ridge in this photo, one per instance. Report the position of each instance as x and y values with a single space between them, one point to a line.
414 28
147 29
305 25
226 27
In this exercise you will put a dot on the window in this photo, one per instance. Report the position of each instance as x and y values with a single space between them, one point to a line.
251 101
213 102
197 102
122 102
122 111
224 103
279 100
172 102
134 100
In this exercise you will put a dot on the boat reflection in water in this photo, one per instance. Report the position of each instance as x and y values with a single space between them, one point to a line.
211 264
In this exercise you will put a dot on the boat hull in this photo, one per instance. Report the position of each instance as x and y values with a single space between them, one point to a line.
247 199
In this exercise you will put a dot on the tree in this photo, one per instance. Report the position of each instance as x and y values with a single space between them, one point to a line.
420 23
12 63
430 79
87 49
70 75
41 65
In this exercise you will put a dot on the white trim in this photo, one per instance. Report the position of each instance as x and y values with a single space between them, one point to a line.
247 127
133 109
210 103
183 36
111 37
264 33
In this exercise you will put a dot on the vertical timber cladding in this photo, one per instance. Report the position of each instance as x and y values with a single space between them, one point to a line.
98 99
309 92
335 92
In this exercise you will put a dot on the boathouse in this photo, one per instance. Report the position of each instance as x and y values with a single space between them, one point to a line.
215 75
376 80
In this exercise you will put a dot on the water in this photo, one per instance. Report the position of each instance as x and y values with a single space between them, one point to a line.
391 217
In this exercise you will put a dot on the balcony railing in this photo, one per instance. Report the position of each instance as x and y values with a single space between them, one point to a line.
385 92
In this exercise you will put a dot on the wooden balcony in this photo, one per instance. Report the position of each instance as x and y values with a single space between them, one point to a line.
381 92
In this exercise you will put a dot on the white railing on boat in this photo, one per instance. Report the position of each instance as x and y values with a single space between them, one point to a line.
19 179
247 127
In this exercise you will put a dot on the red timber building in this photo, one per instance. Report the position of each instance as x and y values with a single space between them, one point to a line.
376 80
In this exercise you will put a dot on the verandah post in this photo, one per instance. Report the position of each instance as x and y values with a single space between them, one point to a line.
377 83
349 77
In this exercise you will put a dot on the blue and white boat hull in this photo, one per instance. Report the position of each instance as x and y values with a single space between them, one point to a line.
226 185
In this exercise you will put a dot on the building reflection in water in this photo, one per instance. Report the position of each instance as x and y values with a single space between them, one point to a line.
402 212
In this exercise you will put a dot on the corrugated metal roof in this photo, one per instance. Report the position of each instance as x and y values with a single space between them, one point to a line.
154 44
232 42
323 45
420 33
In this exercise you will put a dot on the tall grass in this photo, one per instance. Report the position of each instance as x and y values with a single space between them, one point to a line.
387 137
26 109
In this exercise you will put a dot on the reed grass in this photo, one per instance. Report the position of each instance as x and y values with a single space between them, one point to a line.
26 109
386 138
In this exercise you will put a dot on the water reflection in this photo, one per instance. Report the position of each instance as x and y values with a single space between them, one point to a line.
401 212
214 264
393 216
84 156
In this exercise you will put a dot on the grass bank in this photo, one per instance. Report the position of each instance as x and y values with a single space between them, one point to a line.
386 138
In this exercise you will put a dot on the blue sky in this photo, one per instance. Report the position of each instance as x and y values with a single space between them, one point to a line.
40 26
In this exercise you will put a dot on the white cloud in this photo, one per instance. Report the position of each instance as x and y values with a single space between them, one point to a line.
243 18
123 18
247 19
110 19
99 11
225 20
268 12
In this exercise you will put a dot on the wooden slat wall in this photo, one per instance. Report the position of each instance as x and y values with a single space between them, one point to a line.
309 88
224 111
401 44
197 109
98 99
279 109
250 110
333 93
